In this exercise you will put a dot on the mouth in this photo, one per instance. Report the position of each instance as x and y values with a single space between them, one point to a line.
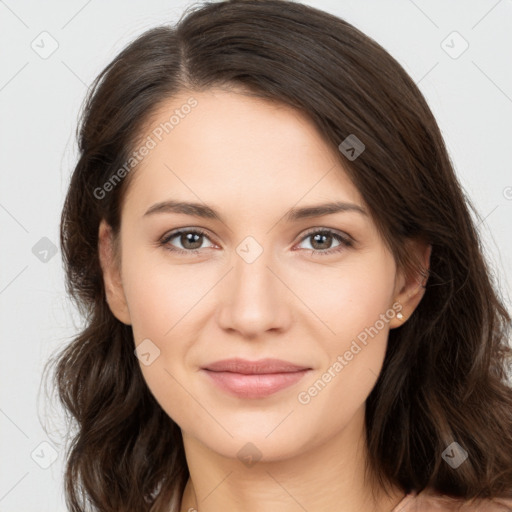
254 379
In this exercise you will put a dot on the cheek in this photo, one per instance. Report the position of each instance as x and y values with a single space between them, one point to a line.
352 302
171 388
332 398
347 296
160 295
162 300
354 351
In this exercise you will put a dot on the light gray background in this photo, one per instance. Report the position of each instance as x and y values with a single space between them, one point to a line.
471 97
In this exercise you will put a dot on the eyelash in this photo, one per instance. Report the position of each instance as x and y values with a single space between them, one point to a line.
345 241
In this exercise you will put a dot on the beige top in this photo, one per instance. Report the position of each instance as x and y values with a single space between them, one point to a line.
429 501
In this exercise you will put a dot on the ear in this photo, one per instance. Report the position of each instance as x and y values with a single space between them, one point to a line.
112 274
410 287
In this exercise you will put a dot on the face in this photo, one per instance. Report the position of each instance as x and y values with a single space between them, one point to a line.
265 276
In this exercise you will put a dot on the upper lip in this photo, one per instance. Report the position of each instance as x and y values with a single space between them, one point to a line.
247 367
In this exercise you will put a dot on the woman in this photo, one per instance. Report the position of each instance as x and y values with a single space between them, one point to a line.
287 307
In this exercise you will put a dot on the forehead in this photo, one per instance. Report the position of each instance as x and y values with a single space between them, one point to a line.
236 150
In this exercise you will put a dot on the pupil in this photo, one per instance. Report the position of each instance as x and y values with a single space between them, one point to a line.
321 236
189 239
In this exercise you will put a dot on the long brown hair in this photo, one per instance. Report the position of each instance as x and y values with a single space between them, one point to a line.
444 377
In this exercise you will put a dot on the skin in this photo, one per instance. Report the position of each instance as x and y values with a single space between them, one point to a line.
253 160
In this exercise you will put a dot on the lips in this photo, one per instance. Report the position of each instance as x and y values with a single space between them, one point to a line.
254 379
247 367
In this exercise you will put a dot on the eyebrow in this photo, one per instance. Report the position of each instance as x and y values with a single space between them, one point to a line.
294 214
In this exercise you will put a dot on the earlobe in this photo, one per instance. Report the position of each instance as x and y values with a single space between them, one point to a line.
412 287
112 282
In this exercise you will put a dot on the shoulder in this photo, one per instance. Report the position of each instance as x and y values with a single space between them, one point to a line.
431 501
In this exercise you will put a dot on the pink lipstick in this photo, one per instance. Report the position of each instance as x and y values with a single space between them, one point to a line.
254 379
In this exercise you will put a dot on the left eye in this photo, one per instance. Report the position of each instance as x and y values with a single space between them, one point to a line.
324 237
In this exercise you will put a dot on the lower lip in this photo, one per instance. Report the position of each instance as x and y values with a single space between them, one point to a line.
254 386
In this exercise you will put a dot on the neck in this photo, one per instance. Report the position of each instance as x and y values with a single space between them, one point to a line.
328 477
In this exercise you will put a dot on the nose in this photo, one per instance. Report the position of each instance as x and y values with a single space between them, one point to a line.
253 299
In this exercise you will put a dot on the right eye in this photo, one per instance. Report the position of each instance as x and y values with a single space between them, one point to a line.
190 240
